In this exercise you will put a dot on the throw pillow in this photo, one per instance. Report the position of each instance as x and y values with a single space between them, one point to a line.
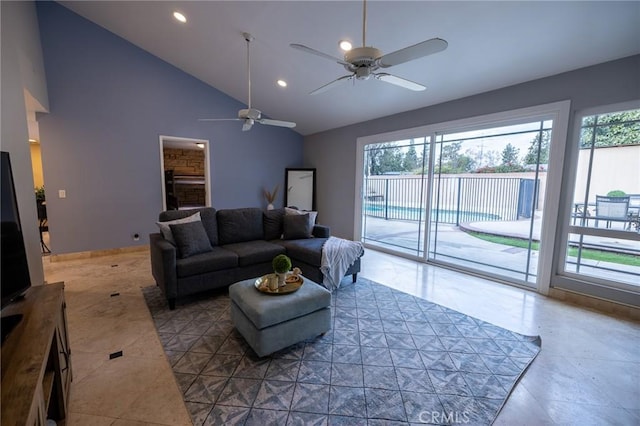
191 238
166 230
296 227
272 222
312 214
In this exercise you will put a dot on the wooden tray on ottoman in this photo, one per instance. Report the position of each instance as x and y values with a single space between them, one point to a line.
289 287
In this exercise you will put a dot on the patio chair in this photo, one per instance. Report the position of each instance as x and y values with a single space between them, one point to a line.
612 209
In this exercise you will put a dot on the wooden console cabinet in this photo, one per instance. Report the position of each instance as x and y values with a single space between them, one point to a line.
36 359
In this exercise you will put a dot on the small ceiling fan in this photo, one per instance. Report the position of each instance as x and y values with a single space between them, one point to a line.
361 62
250 115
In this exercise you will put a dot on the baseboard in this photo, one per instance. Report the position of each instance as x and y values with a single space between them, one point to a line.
95 253
602 305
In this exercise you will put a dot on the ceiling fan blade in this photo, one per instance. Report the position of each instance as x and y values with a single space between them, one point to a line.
278 123
318 53
428 47
402 82
218 119
334 83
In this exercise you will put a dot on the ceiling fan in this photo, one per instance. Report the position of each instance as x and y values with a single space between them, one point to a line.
361 62
250 115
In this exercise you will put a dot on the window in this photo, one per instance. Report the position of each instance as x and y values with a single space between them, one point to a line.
602 243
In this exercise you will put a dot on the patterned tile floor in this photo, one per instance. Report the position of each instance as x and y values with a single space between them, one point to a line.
390 357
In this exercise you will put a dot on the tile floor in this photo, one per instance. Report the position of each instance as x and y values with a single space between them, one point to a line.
588 372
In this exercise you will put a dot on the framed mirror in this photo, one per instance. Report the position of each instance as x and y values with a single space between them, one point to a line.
300 187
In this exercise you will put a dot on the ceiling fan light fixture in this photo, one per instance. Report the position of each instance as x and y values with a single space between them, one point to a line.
345 45
179 17
281 83
362 62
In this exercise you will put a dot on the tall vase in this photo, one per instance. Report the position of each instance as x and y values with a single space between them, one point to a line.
270 206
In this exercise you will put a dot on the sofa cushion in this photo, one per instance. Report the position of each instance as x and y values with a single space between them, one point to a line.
207 215
191 238
165 226
239 225
296 227
214 260
308 250
254 252
273 224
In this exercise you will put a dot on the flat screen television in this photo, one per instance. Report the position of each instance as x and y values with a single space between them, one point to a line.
14 279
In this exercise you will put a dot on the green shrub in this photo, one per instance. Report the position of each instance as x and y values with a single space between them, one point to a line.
281 264
616 193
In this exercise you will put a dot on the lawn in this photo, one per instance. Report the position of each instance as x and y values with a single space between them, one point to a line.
597 255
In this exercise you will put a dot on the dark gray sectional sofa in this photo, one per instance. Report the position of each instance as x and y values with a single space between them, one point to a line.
241 245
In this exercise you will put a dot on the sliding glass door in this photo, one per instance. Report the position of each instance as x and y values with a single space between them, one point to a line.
488 199
394 195
466 195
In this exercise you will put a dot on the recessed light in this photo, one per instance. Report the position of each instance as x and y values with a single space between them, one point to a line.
180 17
282 83
200 145
345 45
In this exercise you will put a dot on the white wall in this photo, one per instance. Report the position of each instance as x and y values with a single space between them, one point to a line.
22 69
614 168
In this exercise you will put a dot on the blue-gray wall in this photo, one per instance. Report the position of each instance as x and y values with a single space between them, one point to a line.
109 102
22 71
333 153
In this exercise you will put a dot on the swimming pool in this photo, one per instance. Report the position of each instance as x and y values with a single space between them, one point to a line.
417 213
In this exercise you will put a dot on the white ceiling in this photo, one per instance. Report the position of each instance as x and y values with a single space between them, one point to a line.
491 45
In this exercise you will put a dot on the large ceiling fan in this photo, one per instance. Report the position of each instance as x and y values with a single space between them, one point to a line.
250 115
361 62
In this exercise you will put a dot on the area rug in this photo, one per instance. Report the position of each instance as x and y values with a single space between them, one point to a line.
391 358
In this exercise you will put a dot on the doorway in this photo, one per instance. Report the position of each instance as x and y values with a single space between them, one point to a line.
41 203
185 173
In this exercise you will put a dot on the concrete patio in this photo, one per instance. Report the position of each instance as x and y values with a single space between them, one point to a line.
456 246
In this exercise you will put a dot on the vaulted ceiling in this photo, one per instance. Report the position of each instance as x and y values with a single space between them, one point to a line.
491 45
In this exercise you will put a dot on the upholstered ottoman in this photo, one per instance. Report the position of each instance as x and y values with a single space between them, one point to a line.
272 322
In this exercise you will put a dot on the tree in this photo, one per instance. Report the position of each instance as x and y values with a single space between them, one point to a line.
510 161
451 161
483 158
410 161
532 152
373 162
391 160
384 158
618 128
510 155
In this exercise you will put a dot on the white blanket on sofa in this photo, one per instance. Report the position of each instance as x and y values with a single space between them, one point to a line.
337 256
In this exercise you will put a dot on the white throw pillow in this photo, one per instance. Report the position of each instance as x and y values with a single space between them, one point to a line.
166 230
312 215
